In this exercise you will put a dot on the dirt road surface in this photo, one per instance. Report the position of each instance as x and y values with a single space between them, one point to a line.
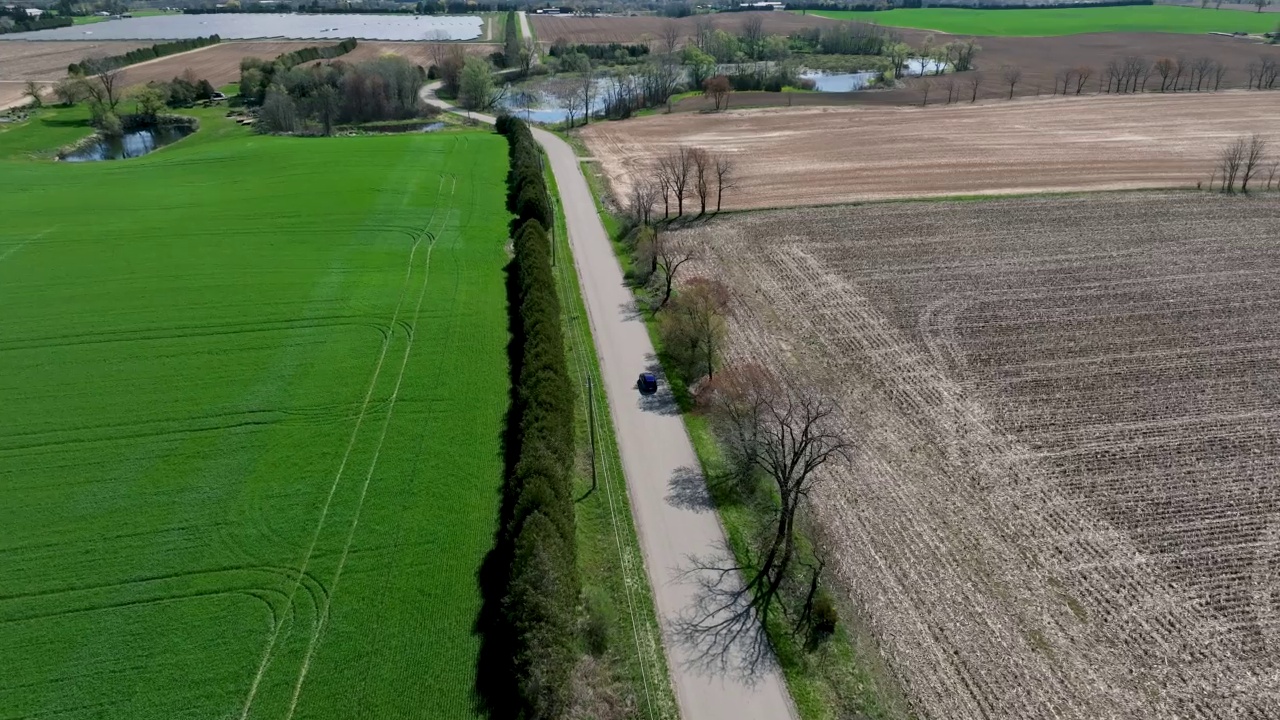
657 456
824 156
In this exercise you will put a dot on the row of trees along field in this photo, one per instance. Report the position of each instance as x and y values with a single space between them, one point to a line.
94 66
532 594
1121 75
775 433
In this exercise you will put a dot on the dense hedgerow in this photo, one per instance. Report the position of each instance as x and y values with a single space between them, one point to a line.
159 50
539 607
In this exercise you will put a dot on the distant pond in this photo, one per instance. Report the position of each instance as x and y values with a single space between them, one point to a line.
838 82
130 145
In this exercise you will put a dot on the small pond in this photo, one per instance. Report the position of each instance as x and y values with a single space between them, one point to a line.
406 127
927 66
130 145
838 82
534 101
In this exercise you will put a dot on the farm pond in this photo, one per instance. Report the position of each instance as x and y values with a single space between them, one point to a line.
130 145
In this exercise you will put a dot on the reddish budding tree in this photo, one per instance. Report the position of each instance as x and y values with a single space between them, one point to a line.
718 88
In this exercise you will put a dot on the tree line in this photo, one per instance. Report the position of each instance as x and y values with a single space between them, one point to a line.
776 434
532 589
93 66
1243 159
315 99
16 20
256 74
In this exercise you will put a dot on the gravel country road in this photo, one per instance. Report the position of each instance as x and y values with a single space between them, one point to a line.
656 451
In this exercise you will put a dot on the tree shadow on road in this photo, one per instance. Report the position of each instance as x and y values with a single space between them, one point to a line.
687 490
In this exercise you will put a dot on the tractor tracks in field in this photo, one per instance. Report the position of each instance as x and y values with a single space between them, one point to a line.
325 602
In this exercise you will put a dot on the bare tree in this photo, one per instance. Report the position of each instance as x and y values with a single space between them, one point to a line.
1219 72
1141 71
975 82
1063 76
662 173
675 167
924 85
644 195
1254 154
564 93
35 92
753 34
1082 74
1115 74
950 85
101 84
703 176
1200 70
718 89
702 29
1164 68
1011 77
786 434
587 94
725 177
670 255
670 35
1230 159
1180 68
1271 173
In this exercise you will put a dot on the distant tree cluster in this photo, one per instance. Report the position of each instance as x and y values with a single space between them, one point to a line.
256 74
322 96
608 51
112 62
15 19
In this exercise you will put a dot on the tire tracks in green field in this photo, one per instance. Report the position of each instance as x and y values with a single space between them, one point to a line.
318 632
318 624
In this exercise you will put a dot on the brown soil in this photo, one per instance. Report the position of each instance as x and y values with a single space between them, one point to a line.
1064 493
1040 59
12 93
48 60
575 30
840 155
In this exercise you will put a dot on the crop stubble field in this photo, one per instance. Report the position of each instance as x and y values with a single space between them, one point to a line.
1065 496
249 458
823 156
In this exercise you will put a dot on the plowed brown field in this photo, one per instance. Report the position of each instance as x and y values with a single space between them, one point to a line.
839 155
1065 497
47 61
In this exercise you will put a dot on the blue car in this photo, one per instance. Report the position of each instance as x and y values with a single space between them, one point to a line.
648 383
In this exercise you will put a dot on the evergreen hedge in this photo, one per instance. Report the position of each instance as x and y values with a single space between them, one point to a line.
540 602
133 57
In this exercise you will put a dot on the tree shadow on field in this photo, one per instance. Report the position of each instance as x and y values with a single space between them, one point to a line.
494 688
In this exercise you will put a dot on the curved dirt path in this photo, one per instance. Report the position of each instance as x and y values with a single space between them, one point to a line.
662 470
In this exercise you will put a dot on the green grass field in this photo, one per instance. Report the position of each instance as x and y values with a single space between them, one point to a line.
1068 21
253 390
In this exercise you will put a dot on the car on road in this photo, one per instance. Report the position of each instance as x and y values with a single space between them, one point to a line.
648 383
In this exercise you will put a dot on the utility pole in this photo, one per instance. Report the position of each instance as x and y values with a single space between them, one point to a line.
550 205
591 423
